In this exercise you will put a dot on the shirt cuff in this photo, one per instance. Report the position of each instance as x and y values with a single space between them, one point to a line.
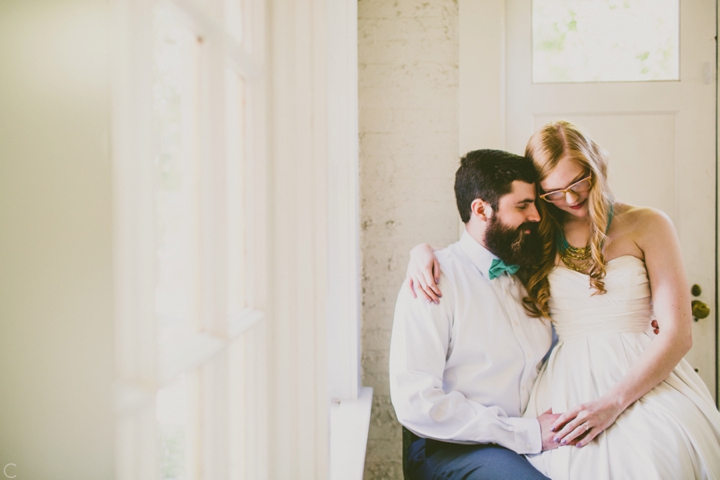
528 438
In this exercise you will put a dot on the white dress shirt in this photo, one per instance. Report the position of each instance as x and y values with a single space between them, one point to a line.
462 371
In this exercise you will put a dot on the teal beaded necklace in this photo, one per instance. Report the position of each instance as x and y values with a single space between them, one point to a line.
575 258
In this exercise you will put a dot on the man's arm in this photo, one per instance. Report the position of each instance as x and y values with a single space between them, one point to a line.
420 344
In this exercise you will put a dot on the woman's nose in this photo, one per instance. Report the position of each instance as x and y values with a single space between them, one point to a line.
571 197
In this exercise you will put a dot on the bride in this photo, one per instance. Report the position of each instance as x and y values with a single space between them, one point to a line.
632 407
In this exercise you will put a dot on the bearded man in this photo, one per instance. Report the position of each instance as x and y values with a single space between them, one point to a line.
461 370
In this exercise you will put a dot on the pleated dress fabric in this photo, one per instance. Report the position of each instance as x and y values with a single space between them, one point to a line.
673 432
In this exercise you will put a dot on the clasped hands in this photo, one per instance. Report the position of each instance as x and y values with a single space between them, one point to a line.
579 425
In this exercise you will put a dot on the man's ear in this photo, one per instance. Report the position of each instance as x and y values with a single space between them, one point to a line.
481 208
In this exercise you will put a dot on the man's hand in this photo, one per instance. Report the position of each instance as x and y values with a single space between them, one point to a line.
546 422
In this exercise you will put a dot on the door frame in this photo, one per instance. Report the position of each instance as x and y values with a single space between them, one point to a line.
481 111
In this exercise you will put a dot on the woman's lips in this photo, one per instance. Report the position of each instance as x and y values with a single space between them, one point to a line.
578 206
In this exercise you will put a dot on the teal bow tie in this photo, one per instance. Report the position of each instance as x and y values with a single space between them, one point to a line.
498 267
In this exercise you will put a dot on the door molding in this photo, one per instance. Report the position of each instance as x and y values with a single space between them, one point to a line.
717 210
481 71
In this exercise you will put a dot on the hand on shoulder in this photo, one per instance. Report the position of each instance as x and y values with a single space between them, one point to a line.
423 273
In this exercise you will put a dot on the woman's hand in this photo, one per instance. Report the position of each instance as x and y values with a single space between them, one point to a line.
424 272
579 425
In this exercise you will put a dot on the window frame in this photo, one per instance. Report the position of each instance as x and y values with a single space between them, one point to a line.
213 353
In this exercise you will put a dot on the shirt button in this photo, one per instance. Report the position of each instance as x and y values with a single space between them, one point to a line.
528 355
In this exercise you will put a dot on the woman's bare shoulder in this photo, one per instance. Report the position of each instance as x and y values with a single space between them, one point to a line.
637 215
644 223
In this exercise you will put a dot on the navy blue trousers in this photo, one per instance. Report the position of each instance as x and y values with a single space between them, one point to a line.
433 460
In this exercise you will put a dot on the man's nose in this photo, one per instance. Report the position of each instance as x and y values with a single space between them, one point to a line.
532 213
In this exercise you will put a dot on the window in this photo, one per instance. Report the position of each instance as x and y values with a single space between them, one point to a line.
605 41
188 235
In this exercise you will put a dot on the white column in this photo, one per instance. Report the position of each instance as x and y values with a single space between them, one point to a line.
297 140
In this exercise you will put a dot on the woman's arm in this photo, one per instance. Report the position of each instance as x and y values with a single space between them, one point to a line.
657 238
424 272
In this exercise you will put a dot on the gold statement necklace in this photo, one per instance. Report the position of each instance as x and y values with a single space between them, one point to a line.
577 258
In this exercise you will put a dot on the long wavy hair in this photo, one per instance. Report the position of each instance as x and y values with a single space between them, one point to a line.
546 148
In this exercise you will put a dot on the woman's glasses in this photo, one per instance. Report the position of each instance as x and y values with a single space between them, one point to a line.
581 186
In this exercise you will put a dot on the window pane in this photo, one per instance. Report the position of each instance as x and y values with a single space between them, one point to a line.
177 52
604 41
234 18
173 430
235 188
240 424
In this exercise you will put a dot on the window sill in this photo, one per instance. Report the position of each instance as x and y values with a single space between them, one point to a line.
349 424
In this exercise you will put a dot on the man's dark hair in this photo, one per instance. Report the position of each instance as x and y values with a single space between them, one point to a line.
488 175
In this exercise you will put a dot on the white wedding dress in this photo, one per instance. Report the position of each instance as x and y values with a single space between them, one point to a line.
673 432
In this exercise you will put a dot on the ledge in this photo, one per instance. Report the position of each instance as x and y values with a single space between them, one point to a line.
349 424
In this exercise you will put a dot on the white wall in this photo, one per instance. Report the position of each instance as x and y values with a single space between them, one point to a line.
56 346
408 55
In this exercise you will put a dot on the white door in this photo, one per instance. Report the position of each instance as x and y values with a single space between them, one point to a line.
660 133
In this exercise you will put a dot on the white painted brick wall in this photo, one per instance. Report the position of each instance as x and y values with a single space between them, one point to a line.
408 65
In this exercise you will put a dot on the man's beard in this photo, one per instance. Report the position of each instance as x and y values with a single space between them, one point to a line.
513 245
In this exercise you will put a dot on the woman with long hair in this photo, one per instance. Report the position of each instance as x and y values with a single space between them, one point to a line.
631 406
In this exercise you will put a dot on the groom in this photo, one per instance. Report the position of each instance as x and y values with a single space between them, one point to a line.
461 371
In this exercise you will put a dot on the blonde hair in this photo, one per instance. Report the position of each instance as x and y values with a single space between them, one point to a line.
546 148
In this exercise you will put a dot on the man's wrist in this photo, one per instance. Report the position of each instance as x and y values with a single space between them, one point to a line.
528 435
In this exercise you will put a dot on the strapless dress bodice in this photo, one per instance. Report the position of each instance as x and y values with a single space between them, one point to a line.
672 432
578 310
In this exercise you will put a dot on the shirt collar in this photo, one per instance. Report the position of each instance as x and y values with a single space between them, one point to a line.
479 255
